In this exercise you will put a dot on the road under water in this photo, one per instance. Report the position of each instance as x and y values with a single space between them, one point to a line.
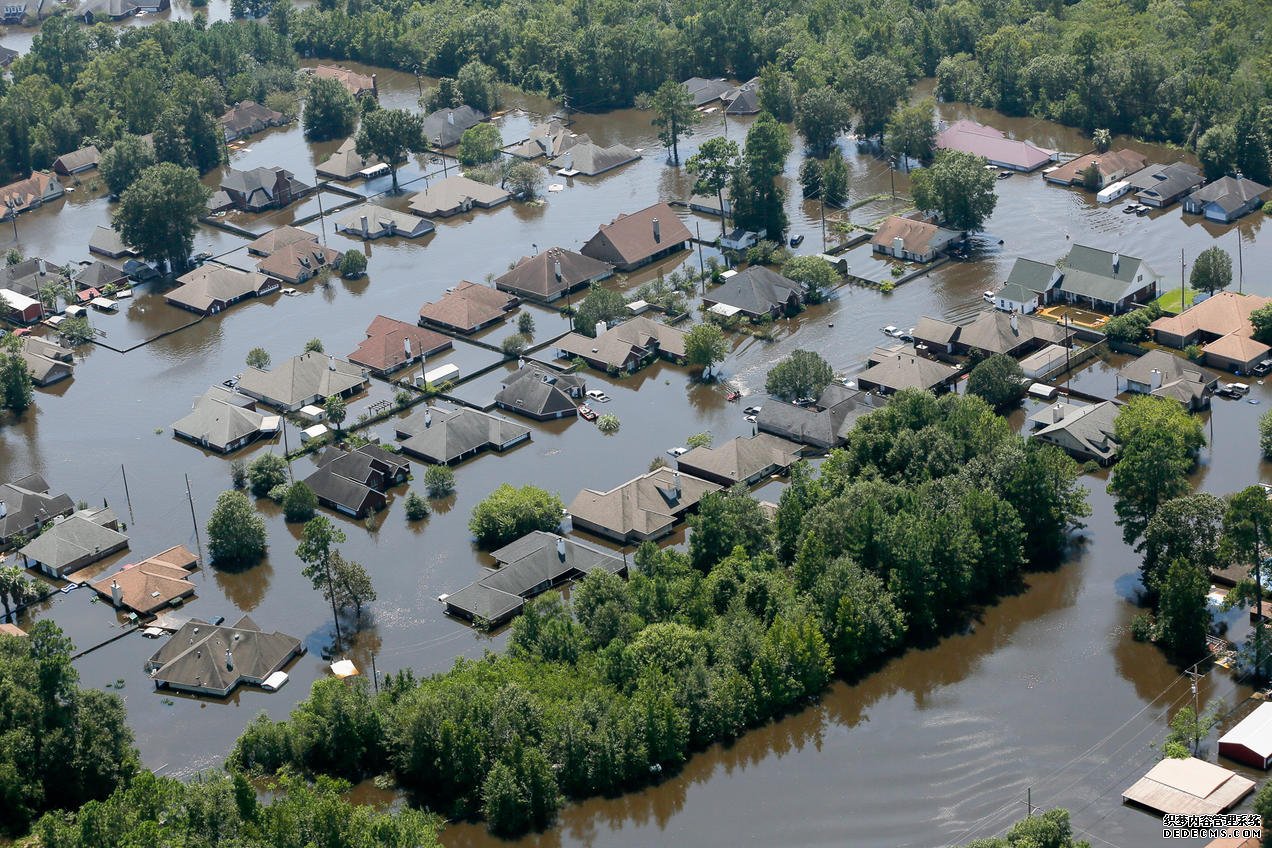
939 746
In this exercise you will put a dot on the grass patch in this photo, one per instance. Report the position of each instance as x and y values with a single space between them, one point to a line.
1174 301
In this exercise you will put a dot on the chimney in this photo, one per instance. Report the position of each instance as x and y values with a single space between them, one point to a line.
331 362
521 362
561 549
657 232
116 594
428 417
1015 323
898 246
229 660
43 268
1117 260
675 484
366 230
1154 380
406 347
375 86
556 269
600 327
4 509
1057 413
450 118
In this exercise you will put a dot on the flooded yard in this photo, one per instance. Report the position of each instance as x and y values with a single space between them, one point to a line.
961 730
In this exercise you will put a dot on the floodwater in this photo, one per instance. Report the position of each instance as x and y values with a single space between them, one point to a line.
938 747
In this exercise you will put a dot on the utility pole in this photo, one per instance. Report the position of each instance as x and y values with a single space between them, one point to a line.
1181 279
1029 807
823 222
375 675
331 590
189 497
286 450
322 217
1240 265
127 496
1193 677
702 268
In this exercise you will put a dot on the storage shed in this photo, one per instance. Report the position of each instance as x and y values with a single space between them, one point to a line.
1188 787
1250 742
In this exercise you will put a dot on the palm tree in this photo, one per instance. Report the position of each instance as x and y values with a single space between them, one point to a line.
1102 139
15 588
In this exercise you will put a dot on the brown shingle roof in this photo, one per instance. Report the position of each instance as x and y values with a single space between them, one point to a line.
917 236
146 587
1111 161
384 348
278 238
536 275
298 261
630 238
1223 313
353 81
468 307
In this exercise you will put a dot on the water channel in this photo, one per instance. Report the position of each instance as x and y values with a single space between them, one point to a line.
938 747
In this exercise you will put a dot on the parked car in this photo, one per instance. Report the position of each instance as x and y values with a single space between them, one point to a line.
1263 367
890 331
796 241
751 410
988 295
598 396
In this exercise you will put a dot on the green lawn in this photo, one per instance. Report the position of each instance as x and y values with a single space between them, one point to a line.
1170 301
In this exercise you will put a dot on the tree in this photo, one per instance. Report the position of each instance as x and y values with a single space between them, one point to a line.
1102 138
835 179
705 345
958 187
803 374
1217 150
1265 434
159 213
76 330
389 135
999 381
15 588
300 503
525 324
479 144
524 180
1212 270
756 196
1158 441
265 472
600 304
1261 320
810 178
821 118
352 264
876 84
815 274
236 534
1247 537
674 115
439 480
351 584
330 110
314 346
1185 528
713 167
1182 616
699 440
514 345
124 162
777 93
1132 326
508 513
238 474
910 133
258 357
1252 143
336 409
478 86
317 551
725 521
608 424
16 391
417 508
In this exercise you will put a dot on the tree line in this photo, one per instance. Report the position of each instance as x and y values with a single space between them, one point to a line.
933 508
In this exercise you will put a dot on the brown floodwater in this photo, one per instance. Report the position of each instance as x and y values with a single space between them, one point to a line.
939 746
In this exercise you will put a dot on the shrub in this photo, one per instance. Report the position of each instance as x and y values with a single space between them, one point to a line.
608 423
238 474
299 502
417 508
509 513
439 480
352 264
1194 352
265 472
514 345
236 534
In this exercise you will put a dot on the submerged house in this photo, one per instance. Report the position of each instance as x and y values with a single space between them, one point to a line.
912 239
445 437
1085 432
745 460
249 117
627 347
1221 325
542 394
445 127
456 195
224 421
34 191
75 542
549 275
345 163
210 659
302 380
211 288
755 293
359 85
645 507
823 424
26 505
372 221
1102 280
632 241
467 308
588 159
262 188
392 344
1106 168
356 482
1226 199
993 146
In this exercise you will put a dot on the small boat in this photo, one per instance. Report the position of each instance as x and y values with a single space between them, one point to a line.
586 413
796 241
1002 175
733 396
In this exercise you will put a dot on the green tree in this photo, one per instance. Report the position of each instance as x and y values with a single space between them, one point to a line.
713 166
705 345
1102 139
1212 270
1265 434
330 110
439 480
608 424
725 521
300 503
958 187
815 274
910 132
674 115
1182 616
1247 538
336 410
159 213
389 135
236 534
478 86
876 84
314 346
479 144
778 94
802 374
1132 327
525 324
1217 150
1261 320
352 264
76 330
524 180
444 95
699 440
508 513
317 550
124 162
1186 528
15 588
258 357
835 179
1252 143
265 472
351 584
1263 806
822 117
999 381
16 391
810 178
756 196
1158 442
600 304
417 508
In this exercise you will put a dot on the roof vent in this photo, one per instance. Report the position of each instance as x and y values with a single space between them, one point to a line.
560 548
657 232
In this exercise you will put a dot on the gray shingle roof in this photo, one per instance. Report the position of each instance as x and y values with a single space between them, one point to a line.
445 127
540 393
537 275
742 458
644 507
1034 276
1086 429
1228 193
72 539
825 424
27 502
756 291
590 159
1090 272
218 423
451 435
907 371
300 379
195 657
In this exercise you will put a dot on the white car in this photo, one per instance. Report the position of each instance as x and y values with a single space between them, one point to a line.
598 396
890 331
677 452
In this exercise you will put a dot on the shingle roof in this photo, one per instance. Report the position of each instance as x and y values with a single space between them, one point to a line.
385 346
907 371
703 91
468 307
382 221
1089 272
1089 427
195 656
918 237
146 586
590 159
646 506
1126 160
824 424
108 243
1169 368
70 540
345 162
27 502
537 275
1228 193
451 435
278 238
1031 275
992 332
354 82
1170 181
633 338
992 144
741 458
935 330
456 194
209 284
445 127
756 291
1222 313
298 259
98 275
217 423
85 157
549 139
631 237
301 378
538 392
24 194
